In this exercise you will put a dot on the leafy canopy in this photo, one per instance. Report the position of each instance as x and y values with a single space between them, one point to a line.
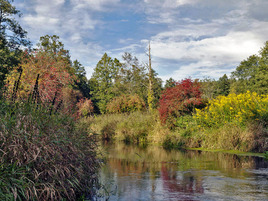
179 100
252 73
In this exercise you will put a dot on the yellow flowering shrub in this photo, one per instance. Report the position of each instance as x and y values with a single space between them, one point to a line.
233 108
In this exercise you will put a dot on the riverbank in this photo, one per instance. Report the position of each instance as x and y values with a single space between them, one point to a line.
44 155
146 128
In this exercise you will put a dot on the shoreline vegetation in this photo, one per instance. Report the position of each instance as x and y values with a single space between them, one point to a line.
143 127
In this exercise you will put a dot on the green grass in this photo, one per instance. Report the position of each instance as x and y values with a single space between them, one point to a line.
145 127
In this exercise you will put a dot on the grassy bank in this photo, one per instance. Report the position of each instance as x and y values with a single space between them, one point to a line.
145 127
43 156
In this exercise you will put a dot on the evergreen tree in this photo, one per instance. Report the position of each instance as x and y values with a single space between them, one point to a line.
223 86
81 83
103 80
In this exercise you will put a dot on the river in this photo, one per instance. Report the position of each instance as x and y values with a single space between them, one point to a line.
153 173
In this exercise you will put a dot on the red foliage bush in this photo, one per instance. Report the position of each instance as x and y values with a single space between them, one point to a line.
125 103
179 100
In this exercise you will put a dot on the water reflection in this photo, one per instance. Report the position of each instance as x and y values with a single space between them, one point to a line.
152 173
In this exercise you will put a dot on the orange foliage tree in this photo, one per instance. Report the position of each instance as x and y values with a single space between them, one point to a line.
55 80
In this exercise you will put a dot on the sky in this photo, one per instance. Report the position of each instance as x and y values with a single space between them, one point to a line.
189 38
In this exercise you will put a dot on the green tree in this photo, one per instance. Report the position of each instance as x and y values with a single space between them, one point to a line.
208 88
245 75
53 46
170 83
156 88
103 80
252 73
134 76
111 78
12 37
150 97
11 33
138 81
81 83
261 77
223 85
8 59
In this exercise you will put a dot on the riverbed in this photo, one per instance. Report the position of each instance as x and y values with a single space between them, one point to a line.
153 173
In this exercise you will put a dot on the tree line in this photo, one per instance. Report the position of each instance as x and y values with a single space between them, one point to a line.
115 86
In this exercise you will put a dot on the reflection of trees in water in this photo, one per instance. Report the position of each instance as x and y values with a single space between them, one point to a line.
188 184
176 173
143 175
230 164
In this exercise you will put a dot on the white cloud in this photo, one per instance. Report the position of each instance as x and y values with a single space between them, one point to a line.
229 48
168 3
164 11
206 56
99 5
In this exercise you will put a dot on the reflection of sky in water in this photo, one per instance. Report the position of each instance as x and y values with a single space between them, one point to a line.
182 175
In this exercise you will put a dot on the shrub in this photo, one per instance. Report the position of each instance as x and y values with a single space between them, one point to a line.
85 107
240 108
125 103
179 100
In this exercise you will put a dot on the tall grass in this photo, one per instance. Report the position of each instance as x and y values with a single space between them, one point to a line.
43 156
133 127
139 128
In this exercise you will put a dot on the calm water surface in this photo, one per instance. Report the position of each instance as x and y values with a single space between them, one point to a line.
152 173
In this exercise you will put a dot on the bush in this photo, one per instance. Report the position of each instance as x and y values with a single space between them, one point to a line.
237 122
85 107
179 100
44 157
241 108
126 103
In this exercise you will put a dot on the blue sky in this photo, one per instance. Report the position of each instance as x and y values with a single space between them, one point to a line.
189 38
